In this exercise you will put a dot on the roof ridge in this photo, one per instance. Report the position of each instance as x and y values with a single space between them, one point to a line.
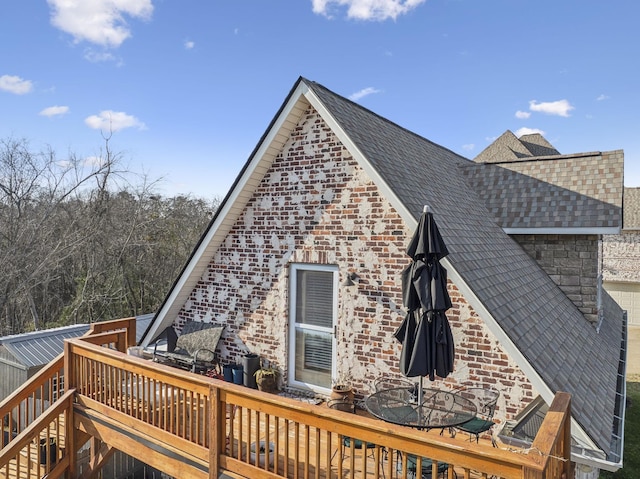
384 119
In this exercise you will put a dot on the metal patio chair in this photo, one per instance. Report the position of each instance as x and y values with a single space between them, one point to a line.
485 400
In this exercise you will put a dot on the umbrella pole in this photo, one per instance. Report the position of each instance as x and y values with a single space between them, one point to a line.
420 392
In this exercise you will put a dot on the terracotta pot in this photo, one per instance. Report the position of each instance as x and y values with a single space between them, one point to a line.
342 397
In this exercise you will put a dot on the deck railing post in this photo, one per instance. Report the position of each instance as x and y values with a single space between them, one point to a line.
566 443
217 441
70 439
69 380
131 333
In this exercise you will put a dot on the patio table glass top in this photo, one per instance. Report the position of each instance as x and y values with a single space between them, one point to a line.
439 409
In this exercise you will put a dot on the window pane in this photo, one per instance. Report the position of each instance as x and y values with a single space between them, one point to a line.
314 298
313 357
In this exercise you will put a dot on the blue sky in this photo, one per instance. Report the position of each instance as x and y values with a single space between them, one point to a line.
190 86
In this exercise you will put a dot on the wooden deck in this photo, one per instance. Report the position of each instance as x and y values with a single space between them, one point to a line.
319 449
189 425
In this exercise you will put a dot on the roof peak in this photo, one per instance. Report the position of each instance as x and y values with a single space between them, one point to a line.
508 147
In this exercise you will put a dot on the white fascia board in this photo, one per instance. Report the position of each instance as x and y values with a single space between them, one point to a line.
603 464
562 231
226 215
455 277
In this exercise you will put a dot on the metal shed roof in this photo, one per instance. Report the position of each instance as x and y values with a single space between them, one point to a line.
40 347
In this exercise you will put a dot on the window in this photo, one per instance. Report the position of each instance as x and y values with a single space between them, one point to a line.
313 312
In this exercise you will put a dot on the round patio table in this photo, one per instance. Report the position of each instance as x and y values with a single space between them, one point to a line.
439 409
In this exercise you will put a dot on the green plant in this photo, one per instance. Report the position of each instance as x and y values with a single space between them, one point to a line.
266 373
267 379
631 469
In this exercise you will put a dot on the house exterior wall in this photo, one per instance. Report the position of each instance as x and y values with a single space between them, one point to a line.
621 255
621 270
316 205
572 262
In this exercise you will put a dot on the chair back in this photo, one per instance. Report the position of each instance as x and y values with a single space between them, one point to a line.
485 400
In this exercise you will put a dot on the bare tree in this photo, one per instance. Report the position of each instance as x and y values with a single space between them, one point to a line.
80 243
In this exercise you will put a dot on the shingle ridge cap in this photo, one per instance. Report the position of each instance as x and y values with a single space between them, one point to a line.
543 158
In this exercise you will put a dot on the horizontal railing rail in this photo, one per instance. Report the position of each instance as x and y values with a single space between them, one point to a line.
24 405
230 426
39 449
223 426
27 407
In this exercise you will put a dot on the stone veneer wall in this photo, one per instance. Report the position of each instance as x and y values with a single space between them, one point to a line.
621 255
572 262
316 205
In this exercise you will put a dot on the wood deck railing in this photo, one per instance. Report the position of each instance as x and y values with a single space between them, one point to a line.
191 425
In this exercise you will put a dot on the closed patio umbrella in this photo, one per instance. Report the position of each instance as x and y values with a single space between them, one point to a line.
425 334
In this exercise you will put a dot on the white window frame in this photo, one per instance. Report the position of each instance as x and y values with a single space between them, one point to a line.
293 326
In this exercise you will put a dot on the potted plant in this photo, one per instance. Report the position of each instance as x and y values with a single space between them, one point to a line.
267 379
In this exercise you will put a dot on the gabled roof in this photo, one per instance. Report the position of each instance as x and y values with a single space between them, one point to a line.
508 147
536 323
530 188
38 348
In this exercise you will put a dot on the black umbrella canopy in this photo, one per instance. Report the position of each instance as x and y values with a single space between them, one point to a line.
427 240
425 334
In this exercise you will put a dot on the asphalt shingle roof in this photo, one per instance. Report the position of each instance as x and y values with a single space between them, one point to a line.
550 192
526 183
508 147
565 350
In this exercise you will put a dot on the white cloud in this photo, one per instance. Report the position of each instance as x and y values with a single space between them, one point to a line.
602 97
14 84
528 131
98 57
98 21
559 108
54 111
109 120
188 45
362 93
468 147
522 115
367 9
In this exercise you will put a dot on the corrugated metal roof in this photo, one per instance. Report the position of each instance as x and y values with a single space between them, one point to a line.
142 323
40 347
